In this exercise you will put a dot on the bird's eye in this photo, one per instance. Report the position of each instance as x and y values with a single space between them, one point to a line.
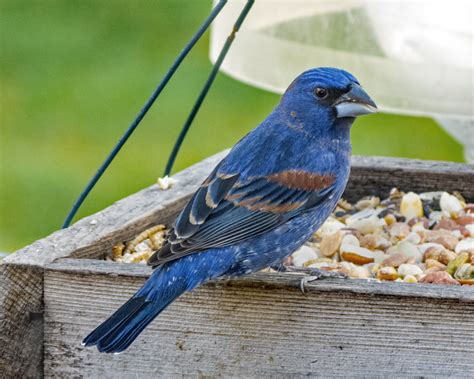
321 93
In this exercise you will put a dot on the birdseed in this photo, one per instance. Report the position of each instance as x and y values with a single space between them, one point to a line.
407 237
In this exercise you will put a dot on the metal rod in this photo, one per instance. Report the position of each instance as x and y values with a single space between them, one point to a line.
207 86
144 110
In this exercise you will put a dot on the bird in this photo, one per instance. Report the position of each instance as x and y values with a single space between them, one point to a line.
262 202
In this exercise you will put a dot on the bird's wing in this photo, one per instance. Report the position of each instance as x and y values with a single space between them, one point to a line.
226 210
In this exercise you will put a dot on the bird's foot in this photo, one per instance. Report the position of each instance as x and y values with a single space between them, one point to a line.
314 274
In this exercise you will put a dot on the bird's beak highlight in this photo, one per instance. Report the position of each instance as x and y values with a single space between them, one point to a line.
354 103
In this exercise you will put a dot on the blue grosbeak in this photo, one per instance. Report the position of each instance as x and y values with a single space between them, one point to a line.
262 202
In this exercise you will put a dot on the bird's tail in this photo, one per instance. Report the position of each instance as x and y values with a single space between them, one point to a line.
166 283
116 333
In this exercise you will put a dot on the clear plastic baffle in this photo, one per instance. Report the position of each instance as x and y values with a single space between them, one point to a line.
414 57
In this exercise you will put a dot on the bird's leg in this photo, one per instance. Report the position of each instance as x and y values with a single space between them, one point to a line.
314 274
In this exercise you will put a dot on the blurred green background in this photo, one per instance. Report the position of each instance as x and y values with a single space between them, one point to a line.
74 74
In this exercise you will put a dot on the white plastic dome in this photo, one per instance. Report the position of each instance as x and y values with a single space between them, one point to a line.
413 57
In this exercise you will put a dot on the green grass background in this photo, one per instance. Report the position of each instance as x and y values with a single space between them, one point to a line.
73 74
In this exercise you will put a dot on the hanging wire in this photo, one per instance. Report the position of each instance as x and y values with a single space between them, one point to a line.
215 11
207 86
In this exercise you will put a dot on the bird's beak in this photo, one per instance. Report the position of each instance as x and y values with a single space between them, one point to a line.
354 103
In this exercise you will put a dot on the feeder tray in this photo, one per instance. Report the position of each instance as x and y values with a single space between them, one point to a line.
59 288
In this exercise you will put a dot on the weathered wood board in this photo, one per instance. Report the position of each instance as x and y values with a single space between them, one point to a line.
262 326
47 300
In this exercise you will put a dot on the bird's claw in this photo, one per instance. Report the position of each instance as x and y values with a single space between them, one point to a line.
306 280
312 274
315 274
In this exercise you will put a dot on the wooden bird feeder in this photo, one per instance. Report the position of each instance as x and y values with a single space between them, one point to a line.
56 290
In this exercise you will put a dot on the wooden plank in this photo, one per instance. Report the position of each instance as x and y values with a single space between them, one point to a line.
21 322
237 331
279 280
377 175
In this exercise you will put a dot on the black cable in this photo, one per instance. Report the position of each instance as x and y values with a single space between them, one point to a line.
143 112
207 86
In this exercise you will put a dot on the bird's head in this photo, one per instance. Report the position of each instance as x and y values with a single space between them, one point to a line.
326 97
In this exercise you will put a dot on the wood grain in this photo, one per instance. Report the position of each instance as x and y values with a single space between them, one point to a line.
279 280
377 175
21 322
259 331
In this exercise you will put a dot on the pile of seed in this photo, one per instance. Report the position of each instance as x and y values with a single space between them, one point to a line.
141 247
409 237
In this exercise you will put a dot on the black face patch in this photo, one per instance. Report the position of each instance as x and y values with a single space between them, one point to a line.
332 96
